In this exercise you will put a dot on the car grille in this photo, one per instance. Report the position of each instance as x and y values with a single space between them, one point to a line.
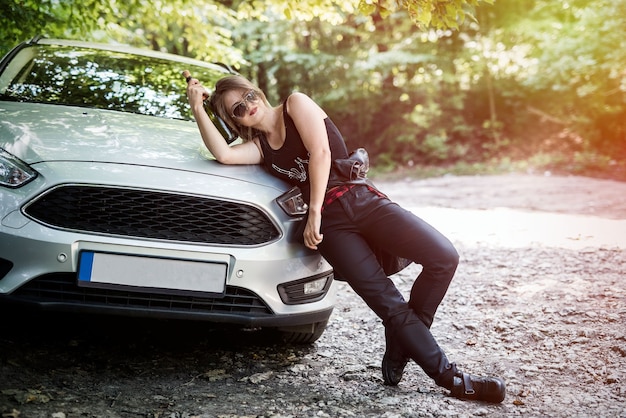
150 214
62 288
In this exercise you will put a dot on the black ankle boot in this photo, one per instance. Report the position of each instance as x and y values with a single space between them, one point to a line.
393 366
488 389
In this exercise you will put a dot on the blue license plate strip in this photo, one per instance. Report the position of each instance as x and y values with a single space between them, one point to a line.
112 270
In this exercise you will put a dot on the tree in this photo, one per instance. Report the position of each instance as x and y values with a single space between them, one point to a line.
23 19
565 86
581 77
438 14
412 80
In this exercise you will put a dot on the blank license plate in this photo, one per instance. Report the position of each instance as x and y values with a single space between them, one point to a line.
106 270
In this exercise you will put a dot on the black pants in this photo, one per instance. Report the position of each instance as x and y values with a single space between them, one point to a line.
360 218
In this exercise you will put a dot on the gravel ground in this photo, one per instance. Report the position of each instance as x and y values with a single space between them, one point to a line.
539 299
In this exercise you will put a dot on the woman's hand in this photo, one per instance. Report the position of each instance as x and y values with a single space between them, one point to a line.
245 153
196 93
311 235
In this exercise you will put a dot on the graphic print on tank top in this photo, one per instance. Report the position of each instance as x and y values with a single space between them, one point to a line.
297 173
291 161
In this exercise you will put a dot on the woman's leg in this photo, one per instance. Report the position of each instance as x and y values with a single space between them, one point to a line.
402 233
363 219
345 248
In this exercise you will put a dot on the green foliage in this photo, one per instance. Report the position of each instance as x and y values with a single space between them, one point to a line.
18 20
580 78
439 14
192 28
414 81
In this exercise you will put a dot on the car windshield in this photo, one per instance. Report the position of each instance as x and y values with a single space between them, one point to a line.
95 78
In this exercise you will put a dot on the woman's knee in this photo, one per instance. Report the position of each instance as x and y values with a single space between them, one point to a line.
452 257
446 259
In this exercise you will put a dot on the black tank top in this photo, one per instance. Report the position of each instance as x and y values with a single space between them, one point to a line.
291 161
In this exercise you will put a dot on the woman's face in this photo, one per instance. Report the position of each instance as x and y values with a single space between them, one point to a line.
244 106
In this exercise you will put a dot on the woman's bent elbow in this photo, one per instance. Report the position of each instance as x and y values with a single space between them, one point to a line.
225 160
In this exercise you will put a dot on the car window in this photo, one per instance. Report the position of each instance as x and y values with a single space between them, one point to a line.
95 78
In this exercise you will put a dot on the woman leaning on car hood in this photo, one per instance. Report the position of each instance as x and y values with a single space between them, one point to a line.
296 141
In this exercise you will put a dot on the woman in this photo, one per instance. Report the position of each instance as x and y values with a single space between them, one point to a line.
297 141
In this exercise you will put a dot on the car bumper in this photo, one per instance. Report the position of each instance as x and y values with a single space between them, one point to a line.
177 310
39 265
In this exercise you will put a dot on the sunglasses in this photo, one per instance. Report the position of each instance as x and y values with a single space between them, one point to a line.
241 108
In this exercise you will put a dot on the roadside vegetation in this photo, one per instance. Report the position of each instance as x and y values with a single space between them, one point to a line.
427 86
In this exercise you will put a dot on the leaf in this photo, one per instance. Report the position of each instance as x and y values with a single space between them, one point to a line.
425 17
366 8
288 13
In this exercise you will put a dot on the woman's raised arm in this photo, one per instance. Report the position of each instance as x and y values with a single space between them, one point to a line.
245 153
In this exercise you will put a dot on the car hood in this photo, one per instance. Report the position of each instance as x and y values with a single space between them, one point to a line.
40 133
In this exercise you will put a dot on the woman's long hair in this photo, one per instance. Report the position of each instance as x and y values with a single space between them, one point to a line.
236 83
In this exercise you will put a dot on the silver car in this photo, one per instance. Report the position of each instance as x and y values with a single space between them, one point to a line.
110 203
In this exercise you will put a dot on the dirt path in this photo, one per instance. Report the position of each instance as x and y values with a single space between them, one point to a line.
539 298
520 210
554 194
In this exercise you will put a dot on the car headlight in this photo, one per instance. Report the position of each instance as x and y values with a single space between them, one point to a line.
13 171
292 202
306 290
